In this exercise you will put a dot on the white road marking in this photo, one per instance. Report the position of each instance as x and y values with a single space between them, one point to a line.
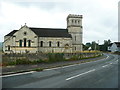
80 74
60 67
107 57
105 66
17 74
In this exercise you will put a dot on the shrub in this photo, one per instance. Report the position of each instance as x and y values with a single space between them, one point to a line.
53 57
75 57
22 61
38 69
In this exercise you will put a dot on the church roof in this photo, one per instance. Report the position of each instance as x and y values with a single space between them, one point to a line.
51 32
47 32
11 33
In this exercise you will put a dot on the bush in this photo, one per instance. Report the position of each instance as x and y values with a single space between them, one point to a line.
38 69
53 57
37 61
22 61
75 57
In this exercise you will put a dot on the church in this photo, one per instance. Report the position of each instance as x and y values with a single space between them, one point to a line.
46 40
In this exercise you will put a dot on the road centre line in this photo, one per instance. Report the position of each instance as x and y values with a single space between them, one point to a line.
18 74
80 74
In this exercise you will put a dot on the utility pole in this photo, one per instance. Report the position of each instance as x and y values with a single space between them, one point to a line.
98 44
95 45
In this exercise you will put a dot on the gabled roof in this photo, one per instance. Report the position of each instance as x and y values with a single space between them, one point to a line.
110 44
117 43
50 32
11 33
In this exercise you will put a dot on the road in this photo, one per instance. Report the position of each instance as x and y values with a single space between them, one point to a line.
97 74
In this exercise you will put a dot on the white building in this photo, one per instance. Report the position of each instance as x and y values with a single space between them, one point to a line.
45 40
114 47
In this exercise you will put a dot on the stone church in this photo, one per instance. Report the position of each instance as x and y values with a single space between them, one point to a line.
46 40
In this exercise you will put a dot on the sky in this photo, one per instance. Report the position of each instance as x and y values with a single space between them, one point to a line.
100 17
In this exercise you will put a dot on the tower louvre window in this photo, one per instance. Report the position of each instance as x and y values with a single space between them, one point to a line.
72 21
75 38
75 21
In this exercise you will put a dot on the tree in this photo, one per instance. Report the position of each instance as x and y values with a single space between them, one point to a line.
104 47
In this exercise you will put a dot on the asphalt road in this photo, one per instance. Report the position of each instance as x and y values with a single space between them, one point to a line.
97 74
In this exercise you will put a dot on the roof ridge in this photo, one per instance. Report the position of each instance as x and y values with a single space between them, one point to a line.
48 28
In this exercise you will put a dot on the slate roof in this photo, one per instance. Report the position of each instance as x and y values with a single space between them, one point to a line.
110 44
51 32
11 33
117 43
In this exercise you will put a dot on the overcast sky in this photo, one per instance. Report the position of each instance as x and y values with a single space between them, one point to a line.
100 17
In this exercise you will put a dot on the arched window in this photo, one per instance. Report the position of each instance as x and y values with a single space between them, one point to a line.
75 38
50 43
58 44
29 43
8 47
41 43
75 48
20 43
24 42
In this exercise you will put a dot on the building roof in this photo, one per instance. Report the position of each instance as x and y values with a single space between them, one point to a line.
47 32
11 33
110 44
51 32
117 43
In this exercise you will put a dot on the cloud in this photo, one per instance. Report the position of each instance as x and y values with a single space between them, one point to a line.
99 16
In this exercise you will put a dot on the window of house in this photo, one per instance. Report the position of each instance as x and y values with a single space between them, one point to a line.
24 42
50 43
29 43
58 44
41 43
20 43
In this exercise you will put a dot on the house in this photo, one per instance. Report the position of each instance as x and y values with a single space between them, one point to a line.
46 40
114 47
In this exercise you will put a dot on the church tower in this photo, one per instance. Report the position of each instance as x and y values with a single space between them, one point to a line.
74 26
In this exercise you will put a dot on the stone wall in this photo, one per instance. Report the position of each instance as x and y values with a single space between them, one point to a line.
62 48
